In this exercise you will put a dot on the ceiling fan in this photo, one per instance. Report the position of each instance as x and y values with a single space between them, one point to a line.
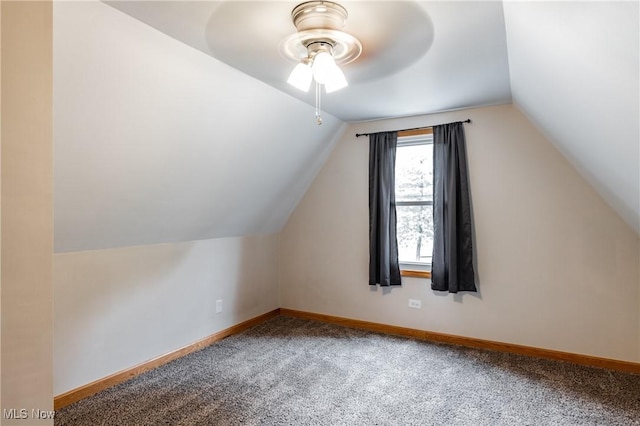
319 27
262 39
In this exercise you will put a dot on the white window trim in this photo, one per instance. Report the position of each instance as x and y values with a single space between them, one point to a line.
403 141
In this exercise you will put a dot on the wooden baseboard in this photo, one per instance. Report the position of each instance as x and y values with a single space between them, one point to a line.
591 361
96 386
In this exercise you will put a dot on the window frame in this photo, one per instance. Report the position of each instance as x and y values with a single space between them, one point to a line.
413 138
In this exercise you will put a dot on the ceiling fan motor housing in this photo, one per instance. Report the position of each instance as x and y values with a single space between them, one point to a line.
319 28
319 14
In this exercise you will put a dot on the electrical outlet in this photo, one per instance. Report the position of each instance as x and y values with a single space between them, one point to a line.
415 304
218 306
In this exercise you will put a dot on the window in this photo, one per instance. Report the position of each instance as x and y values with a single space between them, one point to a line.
414 200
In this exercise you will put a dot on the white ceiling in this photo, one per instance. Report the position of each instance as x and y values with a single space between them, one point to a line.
149 148
575 71
571 67
156 142
418 57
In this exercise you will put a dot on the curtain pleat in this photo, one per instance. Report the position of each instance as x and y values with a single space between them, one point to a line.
384 268
452 264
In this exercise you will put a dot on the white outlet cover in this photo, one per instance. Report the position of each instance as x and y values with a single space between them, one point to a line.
416 304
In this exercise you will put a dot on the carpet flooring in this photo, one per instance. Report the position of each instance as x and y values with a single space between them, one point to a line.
289 371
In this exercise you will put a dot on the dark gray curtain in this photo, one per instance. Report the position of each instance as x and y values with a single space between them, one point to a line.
384 268
452 263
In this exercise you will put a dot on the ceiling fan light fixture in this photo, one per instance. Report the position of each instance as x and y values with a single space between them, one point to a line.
337 81
324 66
319 25
301 76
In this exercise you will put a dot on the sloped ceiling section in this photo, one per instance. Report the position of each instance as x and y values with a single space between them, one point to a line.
418 57
574 72
156 142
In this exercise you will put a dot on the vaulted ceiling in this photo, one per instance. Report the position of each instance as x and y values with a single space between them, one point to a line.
179 124
575 73
417 56
155 142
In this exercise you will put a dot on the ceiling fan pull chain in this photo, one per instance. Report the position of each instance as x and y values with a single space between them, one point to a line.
318 96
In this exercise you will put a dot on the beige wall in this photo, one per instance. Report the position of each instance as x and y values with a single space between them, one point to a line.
116 308
27 214
558 268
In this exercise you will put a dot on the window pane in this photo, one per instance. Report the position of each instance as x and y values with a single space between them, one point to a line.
414 172
415 233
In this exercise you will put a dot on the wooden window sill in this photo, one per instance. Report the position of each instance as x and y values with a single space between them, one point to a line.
415 274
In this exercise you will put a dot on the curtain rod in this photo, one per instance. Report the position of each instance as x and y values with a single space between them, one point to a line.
468 120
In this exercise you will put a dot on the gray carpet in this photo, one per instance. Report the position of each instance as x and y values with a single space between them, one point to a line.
289 371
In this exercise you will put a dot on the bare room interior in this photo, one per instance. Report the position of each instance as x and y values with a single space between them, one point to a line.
166 188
